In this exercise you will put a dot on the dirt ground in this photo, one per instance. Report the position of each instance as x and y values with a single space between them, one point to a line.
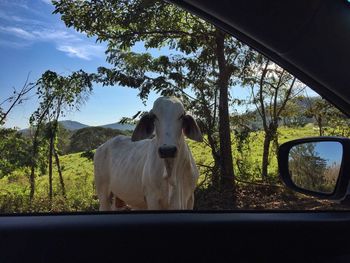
260 197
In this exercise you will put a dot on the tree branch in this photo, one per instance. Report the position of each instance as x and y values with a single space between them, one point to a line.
261 98
17 98
256 105
161 32
289 92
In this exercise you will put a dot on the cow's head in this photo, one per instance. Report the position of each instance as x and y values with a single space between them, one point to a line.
170 122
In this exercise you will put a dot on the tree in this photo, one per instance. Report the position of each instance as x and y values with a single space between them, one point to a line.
271 88
307 168
243 125
325 114
63 139
320 110
293 114
14 151
205 57
205 107
56 94
87 139
338 124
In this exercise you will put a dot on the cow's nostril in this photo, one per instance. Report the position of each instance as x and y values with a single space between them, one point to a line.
167 151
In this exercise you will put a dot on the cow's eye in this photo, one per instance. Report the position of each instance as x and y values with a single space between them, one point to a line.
154 116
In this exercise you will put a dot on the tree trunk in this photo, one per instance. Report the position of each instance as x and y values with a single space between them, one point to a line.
33 164
60 173
32 182
276 143
265 158
216 157
209 128
226 162
320 127
50 167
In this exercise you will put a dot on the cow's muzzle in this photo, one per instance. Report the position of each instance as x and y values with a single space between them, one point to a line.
167 151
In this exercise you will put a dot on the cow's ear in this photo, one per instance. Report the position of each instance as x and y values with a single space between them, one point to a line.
191 129
144 129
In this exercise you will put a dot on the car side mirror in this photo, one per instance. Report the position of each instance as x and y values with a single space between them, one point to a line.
316 166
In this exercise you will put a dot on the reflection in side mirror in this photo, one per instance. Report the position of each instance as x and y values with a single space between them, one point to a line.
315 166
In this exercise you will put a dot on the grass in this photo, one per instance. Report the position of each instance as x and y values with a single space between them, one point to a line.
79 183
78 179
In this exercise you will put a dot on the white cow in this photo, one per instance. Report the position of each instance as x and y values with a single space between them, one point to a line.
143 173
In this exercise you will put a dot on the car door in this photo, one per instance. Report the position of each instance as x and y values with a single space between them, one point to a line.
245 235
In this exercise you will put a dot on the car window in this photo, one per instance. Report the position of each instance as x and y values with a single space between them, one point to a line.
79 76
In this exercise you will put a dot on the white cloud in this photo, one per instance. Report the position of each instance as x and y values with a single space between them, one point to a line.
35 30
14 44
74 52
28 6
40 35
47 1
18 32
20 19
7 17
54 35
82 51
71 44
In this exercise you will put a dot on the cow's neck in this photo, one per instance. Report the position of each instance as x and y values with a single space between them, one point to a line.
172 163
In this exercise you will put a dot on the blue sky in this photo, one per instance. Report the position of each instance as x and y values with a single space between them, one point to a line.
33 40
332 152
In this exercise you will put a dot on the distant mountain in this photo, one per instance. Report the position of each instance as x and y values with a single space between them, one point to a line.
119 126
302 103
73 125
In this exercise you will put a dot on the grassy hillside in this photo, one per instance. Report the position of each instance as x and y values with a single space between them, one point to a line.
78 178
247 162
78 175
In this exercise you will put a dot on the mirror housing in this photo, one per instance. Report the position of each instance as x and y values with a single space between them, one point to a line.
339 190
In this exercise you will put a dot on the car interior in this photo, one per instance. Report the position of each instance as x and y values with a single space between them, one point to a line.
307 38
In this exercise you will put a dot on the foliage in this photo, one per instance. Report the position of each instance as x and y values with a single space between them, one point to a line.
329 120
308 169
78 176
162 24
80 193
56 94
63 139
247 168
338 126
320 110
294 113
90 138
14 151
88 155
271 89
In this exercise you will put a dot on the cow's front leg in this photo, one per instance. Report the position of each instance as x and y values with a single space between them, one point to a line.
175 199
155 202
190 202
156 198
156 195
